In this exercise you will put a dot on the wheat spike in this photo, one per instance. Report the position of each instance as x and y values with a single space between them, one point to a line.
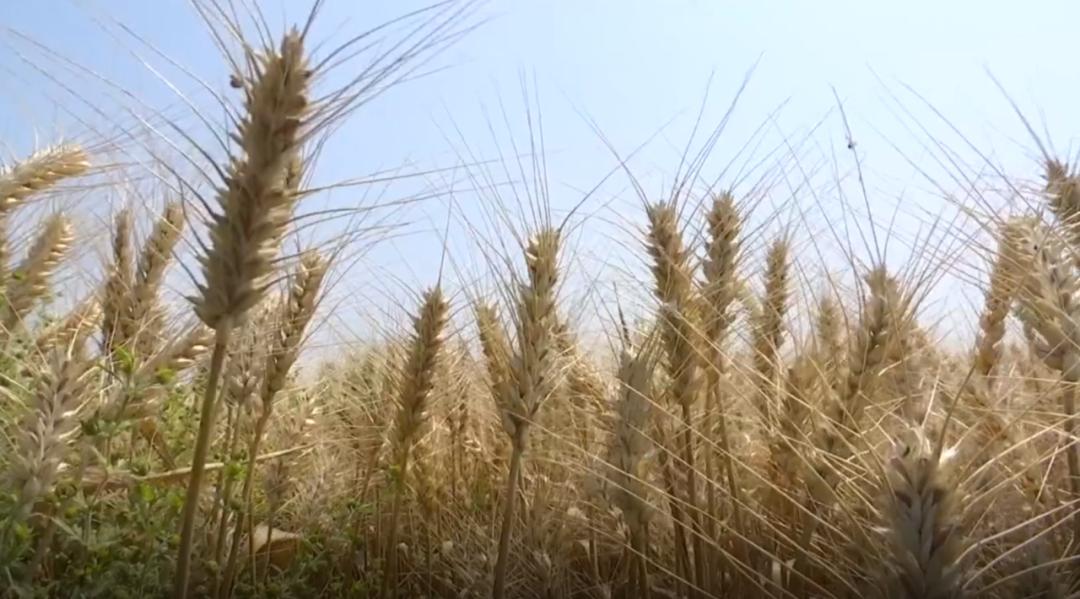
30 281
681 340
116 322
299 309
255 207
1063 191
47 431
256 202
1006 276
922 525
629 446
769 327
417 379
531 373
154 260
79 323
722 256
38 172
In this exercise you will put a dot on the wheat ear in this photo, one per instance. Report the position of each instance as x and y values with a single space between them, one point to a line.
411 420
531 374
722 257
769 326
1006 276
256 206
299 308
30 281
919 512
115 320
154 259
1049 307
48 429
38 172
1063 195
79 323
673 289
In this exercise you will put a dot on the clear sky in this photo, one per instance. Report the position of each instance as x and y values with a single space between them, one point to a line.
634 68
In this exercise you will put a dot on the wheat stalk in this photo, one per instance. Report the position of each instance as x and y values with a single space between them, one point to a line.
530 376
673 289
417 380
256 206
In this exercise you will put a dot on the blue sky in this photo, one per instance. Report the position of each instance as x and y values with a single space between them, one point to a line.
633 67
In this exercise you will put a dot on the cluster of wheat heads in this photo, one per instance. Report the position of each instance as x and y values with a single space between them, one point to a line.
501 457
488 451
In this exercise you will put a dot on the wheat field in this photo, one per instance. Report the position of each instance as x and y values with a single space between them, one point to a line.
762 421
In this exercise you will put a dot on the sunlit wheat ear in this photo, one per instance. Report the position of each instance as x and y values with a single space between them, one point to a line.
116 322
769 328
867 356
417 376
256 203
532 367
722 258
30 281
496 350
829 340
1006 275
157 253
43 439
38 172
1048 305
1063 191
922 524
672 278
681 340
411 419
532 372
299 309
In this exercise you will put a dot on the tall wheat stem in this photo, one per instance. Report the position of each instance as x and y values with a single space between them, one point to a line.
198 460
